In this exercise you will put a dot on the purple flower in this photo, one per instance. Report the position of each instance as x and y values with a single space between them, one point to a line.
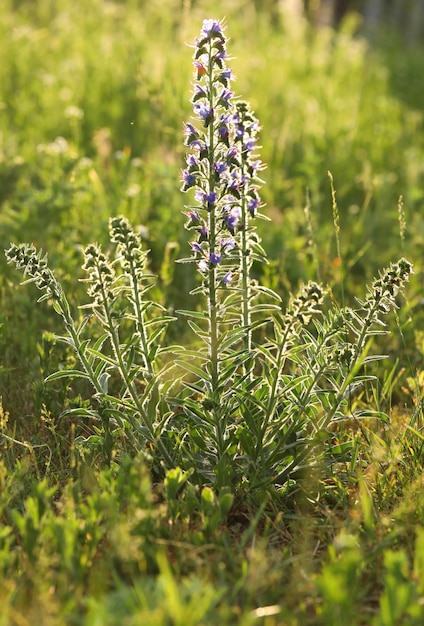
254 127
199 93
189 129
232 218
210 197
239 130
189 180
194 218
219 168
204 111
198 144
225 97
201 146
252 205
199 195
232 155
202 265
249 144
220 55
202 196
211 29
224 134
225 76
192 161
227 278
203 233
196 247
214 259
227 245
254 166
234 183
191 133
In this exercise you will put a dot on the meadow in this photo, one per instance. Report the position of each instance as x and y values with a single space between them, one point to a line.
237 438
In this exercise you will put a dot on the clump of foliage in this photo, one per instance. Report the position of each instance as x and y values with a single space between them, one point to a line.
252 404
249 474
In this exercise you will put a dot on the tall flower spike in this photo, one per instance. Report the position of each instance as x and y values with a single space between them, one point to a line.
209 171
222 169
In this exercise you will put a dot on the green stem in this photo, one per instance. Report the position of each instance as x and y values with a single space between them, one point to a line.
212 286
80 350
272 400
126 377
140 325
245 274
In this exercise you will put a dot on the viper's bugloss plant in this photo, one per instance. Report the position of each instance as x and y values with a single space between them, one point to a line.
252 402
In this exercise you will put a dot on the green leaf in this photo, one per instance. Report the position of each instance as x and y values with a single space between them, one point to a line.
67 374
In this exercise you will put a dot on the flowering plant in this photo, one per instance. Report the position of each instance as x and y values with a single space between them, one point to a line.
242 410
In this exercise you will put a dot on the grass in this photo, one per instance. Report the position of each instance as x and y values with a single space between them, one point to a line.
81 543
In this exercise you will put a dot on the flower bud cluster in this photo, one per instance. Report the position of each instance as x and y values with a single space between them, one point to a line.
306 304
221 166
26 257
101 275
385 288
132 256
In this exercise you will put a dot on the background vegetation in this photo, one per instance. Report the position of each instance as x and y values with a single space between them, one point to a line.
93 97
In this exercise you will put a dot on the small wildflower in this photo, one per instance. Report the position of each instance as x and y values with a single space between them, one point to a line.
192 162
220 168
200 68
202 265
203 233
73 112
205 112
201 146
196 247
189 130
199 93
225 97
35 266
194 218
232 218
224 133
205 197
189 180
227 244
215 259
224 77
133 190
211 29
227 278
252 205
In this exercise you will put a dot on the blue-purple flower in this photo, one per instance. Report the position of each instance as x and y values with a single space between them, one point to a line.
203 233
212 29
225 97
196 247
227 244
194 218
220 168
215 259
189 180
232 218
227 278
208 197
252 205
204 111
199 92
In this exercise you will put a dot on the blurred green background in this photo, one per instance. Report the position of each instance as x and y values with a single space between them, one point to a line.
93 97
